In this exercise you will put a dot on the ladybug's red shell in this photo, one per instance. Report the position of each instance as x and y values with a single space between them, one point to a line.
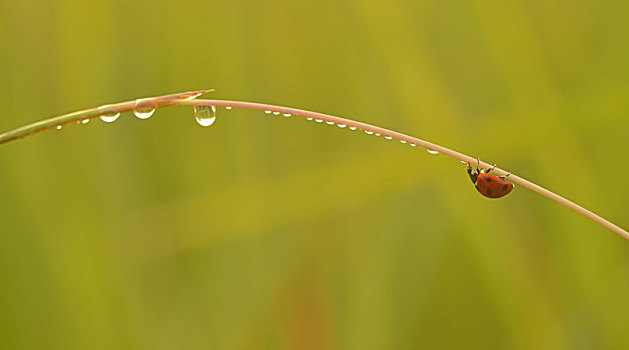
492 186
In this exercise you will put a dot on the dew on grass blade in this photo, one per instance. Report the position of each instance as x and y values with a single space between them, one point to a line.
110 117
318 120
388 137
368 132
205 115
144 108
59 127
228 107
85 121
267 112
287 115
431 151
341 125
309 118
276 113
352 128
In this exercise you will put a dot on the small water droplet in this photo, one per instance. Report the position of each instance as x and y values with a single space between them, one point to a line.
144 108
431 151
59 127
402 141
267 112
276 113
85 121
352 128
287 115
368 132
388 137
377 134
308 118
109 117
228 107
205 115
318 120
341 125
412 144
330 123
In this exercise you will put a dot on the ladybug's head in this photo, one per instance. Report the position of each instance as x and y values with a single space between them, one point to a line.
472 173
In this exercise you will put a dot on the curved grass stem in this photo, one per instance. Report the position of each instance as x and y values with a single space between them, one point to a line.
188 99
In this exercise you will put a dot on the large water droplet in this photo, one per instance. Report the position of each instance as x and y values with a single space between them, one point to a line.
431 151
205 115
388 137
109 117
144 109
368 132
352 128
144 113
287 115
276 113
267 112
341 125
318 120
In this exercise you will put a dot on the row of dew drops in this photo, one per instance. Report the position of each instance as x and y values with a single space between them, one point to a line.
206 116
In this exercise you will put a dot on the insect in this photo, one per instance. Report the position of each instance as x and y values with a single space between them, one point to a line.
489 185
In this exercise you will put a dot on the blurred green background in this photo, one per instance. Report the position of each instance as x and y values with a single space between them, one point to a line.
280 233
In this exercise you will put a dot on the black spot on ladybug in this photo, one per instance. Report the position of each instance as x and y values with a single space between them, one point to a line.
489 179
489 192
504 188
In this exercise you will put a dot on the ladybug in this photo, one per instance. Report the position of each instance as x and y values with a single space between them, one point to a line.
489 185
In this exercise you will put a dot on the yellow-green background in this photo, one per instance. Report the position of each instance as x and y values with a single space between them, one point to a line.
265 232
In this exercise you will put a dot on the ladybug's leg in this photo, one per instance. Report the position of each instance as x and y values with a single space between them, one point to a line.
490 169
504 177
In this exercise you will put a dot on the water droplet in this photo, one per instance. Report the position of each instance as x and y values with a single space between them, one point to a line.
109 117
85 121
267 112
352 128
228 107
59 127
402 141
144 113
309 118
318 120
330 123
412 144
143 108
276 113
287 115
431 151
368 132
388 137
205 115
377 134
341 125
